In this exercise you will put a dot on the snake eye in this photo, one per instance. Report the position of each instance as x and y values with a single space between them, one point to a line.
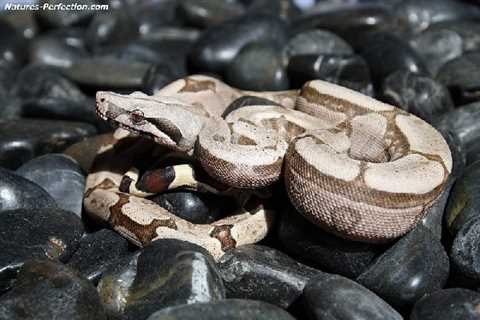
137 116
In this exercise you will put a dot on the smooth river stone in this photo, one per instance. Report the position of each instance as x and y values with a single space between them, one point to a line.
420 14
171 34
112 28
261 273
462 77
386 53
168 56
49 290
468 30
64 18
20 193
35 233
464 254
11 107
74 36
22 140
414 266
97 252
464 202
109 74
417 94
8 75
166 273
13 46
218 46
53 49
23 21
437 47
448 304
473 152
336 297
285 9
464 122
317 42
350 71
206 13
312 246
258 67
60 176
173 50
195 207
147 52
349 21
232 309
45 93
149 15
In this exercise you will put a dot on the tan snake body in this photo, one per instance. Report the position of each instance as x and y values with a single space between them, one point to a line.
353 165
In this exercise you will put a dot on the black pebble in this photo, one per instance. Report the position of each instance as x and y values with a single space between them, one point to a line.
261 273
35 233
49 290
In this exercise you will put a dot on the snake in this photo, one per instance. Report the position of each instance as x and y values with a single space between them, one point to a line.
354 166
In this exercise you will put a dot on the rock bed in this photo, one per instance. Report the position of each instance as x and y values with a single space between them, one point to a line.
56 263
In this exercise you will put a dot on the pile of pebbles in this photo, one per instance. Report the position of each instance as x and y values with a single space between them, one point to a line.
55 263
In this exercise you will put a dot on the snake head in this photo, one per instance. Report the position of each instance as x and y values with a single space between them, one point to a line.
166 120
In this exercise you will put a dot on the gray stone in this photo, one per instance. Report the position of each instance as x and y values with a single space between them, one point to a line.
315 247
232 309
97 252
350 71
414 266
166 273
337 297
462 77
417 94
448 304
317 42
20 193
195 207
60 176
218 46
45 93
35 234
258 67
464 201
206 13
261 273
22 140
463 122
420 14
49 290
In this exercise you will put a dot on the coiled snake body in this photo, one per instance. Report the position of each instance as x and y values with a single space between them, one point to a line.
353 165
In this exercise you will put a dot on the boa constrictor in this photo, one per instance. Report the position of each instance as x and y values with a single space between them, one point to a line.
355 166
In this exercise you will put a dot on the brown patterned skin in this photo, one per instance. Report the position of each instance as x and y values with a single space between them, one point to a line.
356 167
142 221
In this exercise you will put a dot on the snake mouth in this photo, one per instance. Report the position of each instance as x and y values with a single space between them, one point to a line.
116 124
132 130
101 115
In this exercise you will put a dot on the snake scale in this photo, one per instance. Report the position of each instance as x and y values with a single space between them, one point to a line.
359 168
